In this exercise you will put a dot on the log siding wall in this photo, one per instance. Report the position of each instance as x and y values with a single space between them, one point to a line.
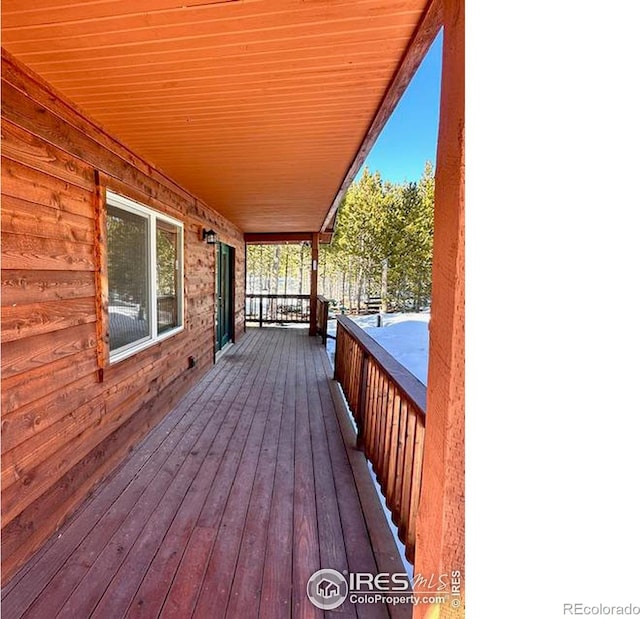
68 417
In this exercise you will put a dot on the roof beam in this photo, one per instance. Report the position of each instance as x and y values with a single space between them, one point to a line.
425 33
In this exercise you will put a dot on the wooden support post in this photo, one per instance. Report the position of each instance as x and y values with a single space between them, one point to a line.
313 302
216 296
440 521
101 278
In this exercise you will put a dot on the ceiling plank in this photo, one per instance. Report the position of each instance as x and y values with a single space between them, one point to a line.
257 107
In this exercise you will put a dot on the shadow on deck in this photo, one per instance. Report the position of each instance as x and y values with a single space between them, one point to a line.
246 488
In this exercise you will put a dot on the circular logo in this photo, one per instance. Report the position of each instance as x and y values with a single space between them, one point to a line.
327 589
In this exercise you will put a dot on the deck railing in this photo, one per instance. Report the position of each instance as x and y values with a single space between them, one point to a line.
322 318
277 308
388 404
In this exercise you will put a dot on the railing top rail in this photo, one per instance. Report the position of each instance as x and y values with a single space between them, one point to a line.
408 384
277 296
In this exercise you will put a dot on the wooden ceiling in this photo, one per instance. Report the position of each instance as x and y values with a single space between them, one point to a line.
263 108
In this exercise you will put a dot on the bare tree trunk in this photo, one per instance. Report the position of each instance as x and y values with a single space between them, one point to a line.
276 269
344 288
301 274
383 286
324 276
359 288
350 287
286 269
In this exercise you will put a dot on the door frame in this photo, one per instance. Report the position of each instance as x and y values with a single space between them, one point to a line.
230 317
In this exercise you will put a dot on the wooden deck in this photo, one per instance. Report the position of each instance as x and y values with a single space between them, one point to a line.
227 507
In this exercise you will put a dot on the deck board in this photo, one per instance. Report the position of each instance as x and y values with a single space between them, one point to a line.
276 580
244 598
245 489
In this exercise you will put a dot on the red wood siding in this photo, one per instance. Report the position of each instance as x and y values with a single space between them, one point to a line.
65 424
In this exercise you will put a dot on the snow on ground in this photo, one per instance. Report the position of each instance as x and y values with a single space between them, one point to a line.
405 337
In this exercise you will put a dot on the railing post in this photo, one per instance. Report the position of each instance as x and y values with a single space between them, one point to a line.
325 322
260 313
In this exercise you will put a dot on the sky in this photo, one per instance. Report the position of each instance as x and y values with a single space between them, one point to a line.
409 137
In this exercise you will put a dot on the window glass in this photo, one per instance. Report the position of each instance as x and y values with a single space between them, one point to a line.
128 269
167 263
144 271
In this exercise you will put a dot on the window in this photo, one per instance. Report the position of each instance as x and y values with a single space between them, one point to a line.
144 268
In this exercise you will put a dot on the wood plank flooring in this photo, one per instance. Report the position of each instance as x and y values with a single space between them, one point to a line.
227 507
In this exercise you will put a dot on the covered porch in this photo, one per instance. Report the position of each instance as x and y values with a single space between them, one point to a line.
246 488
229 478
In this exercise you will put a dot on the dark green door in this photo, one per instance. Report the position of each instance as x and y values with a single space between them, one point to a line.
224 327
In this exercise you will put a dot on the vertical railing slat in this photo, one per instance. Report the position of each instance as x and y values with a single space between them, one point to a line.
379 390
369 411
364 370
396 498
416 485
386 438
407 472
393 452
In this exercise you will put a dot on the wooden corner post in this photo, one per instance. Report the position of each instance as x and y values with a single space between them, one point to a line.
440 521
313 301
101 279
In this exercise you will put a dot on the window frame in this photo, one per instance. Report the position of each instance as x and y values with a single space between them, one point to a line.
152 216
